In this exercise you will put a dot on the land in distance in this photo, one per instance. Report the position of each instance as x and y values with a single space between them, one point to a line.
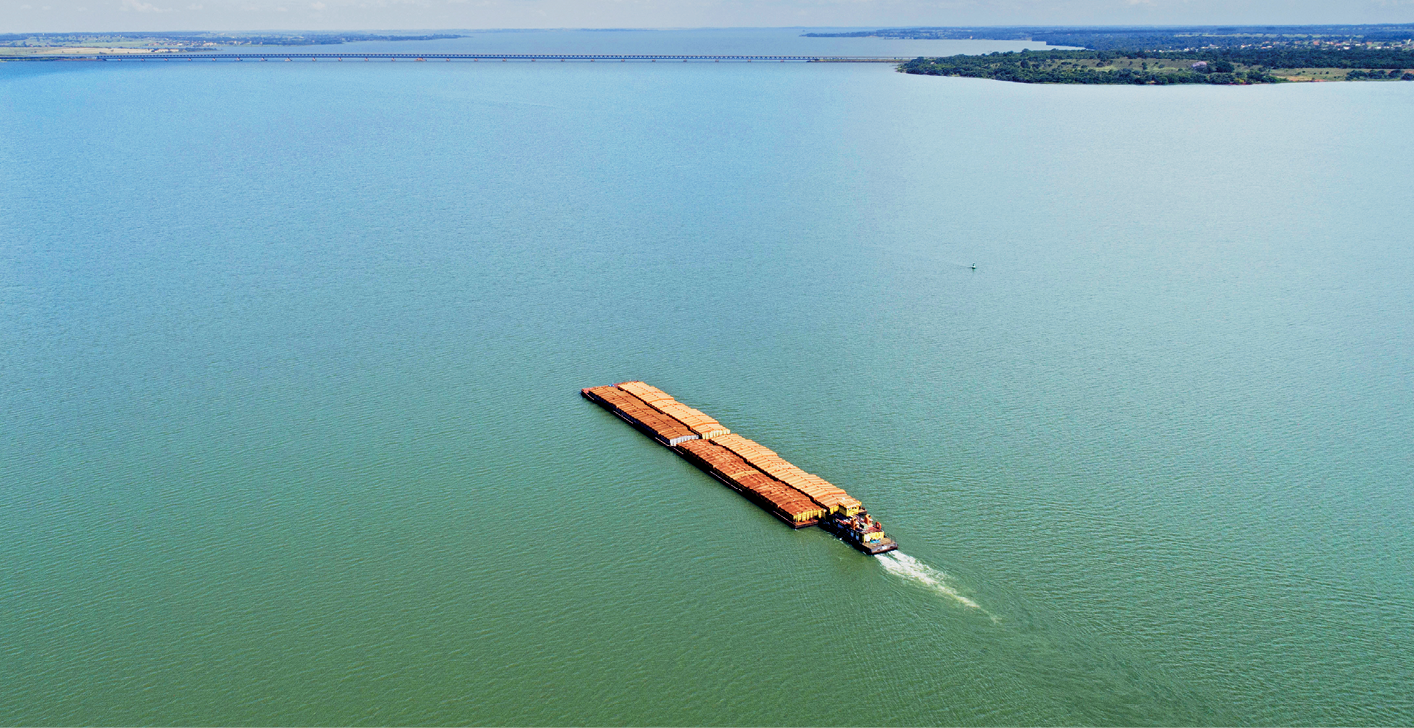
1160 56
62 44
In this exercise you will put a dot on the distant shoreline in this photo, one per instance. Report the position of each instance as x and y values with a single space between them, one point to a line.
1229 55
1153 69
1241 55
23 45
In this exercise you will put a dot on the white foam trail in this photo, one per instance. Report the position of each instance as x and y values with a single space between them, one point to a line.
902 565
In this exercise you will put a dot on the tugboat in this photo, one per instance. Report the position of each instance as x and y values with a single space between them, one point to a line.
860 531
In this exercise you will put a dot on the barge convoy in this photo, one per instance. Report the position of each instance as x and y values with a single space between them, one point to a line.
796 497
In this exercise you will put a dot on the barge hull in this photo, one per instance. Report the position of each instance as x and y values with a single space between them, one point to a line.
880 549
751 497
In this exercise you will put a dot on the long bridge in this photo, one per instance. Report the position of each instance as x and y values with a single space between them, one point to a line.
423 57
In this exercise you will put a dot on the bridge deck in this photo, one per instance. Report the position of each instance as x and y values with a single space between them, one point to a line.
130 57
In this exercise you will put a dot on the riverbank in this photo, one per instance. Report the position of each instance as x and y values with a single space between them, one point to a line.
1227 55
1163 68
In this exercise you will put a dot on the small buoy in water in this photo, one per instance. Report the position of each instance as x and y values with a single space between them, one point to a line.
974 266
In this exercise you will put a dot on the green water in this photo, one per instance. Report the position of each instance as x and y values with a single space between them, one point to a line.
290 431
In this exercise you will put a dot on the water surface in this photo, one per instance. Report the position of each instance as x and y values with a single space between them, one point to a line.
696 41
291 431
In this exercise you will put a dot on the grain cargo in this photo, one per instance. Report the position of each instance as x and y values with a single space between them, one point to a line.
758 473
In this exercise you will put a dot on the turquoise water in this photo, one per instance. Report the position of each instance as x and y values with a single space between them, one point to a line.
734 41
291 431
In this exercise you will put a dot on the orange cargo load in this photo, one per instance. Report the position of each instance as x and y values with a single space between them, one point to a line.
645 392
694 419
756 471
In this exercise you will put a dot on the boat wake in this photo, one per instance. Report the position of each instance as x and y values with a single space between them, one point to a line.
906 567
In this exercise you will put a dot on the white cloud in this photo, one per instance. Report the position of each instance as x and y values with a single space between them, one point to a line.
142 7
318 6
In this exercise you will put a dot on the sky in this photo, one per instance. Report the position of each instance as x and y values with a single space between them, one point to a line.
31 16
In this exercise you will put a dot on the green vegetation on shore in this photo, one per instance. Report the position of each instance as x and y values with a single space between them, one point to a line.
1222 67
1162 56
1087 67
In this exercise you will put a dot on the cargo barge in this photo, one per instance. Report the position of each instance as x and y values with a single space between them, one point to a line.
797 498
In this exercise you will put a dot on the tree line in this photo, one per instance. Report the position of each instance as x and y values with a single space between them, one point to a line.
1211 66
